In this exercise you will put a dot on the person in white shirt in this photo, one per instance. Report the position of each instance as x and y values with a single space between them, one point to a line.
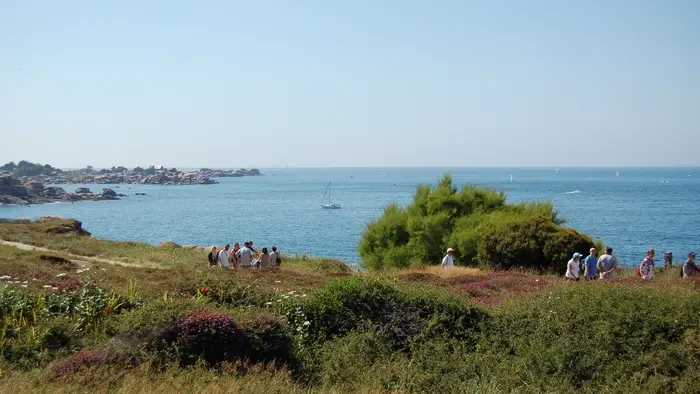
275 257
223 256
573 267
449 261
245 255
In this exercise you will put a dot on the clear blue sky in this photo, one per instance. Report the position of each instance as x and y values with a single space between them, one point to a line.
350 83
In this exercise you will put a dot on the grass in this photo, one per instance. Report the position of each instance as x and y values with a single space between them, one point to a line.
398 331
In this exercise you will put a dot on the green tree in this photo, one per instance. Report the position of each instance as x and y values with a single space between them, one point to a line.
484 229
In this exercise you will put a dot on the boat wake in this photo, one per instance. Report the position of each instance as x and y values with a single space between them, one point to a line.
573 192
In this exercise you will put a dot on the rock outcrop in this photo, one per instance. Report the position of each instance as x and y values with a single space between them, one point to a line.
13 192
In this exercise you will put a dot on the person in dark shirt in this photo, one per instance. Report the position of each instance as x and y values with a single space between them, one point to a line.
213 257
690 269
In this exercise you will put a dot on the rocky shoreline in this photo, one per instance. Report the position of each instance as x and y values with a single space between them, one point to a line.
48 175
14 192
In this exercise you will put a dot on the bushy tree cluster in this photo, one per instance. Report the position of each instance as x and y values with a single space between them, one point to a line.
484 229
25 168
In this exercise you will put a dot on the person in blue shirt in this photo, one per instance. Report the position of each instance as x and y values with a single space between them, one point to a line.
590 264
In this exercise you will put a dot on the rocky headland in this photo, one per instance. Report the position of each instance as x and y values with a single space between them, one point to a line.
48 175
14 192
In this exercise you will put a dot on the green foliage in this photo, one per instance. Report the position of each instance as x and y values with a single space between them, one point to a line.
598 336
478 223
25 168
400 314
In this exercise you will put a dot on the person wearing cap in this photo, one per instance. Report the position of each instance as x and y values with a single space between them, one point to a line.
590 264
689 268
607 264
573 267
646 269
449 261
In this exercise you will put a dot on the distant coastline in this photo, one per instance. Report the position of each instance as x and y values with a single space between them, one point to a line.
26 183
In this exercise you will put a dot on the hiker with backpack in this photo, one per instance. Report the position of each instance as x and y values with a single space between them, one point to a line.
275 259
690 269
646 269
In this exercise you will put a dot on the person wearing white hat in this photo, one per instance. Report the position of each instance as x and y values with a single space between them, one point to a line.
573 267
449 261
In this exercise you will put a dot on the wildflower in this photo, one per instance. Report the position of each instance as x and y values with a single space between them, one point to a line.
268 303
56 288
306 323
47 286
103 269
108 309
205 290
278 281
24 285
25 282
61 274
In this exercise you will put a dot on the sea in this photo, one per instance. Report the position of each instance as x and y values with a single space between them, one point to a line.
630 209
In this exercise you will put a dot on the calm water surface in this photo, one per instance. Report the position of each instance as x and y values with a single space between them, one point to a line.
642 208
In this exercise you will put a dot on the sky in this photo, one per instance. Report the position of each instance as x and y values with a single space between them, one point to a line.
304 83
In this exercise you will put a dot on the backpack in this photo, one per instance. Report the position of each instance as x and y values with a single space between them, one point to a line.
279 260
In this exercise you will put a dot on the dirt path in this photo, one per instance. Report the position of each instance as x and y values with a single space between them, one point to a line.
83 261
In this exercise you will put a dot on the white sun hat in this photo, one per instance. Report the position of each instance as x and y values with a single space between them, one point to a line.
450 250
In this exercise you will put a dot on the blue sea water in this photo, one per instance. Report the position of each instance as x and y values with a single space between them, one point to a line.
639 209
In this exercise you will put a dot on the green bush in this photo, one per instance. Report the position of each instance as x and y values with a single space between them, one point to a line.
478 223
595 337
400 314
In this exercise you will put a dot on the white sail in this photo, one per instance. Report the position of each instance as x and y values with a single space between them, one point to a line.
330 205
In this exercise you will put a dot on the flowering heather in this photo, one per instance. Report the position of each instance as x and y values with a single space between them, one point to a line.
78 362
212 337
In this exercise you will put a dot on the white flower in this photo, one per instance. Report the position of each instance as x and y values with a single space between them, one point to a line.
103 269
291 292
268 303
25 282
303 295
54 288
47 286
278 281
61 274
24 285
306 323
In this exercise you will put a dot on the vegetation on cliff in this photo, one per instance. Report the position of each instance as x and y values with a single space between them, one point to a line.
478 223
128 317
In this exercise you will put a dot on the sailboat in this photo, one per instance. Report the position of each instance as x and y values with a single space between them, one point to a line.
330 204
511 177
617 173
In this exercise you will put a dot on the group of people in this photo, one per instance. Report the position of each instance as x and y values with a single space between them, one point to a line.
244 257
605 265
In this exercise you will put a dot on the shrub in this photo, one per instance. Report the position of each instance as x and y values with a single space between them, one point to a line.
401 314
78 362
211 337
596 336
268 340
478 223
